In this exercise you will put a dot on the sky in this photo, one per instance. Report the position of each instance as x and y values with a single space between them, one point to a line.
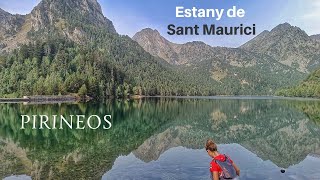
131 16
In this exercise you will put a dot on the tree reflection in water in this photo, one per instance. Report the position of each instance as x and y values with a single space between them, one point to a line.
148 128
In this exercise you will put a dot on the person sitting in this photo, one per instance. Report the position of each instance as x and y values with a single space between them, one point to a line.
221 166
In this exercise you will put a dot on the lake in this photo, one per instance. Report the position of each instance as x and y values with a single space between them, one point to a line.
163 138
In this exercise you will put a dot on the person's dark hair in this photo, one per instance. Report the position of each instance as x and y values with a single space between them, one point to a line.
211 146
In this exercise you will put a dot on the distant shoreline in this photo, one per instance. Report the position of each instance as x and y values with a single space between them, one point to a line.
71 98
248 97
41 99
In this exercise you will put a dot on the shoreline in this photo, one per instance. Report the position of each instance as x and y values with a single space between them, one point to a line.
72 99
248 97
41 99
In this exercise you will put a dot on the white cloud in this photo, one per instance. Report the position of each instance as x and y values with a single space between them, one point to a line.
313 11
308 15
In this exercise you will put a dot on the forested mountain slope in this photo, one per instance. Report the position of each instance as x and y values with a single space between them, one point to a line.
234 71
68 45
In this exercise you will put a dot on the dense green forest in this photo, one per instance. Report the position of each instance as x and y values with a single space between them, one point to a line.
308 88
98 62
111 66
115 67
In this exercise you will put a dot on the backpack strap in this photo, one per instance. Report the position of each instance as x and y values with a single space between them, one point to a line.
226 157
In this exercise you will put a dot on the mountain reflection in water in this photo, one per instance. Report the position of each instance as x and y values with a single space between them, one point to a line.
183 163
166 137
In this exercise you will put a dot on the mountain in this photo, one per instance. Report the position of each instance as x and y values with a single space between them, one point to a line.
229 70
156 45
288 45
10 25
68 18
68 45
176 54
57 12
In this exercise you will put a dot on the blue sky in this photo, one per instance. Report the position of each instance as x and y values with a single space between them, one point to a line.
130 16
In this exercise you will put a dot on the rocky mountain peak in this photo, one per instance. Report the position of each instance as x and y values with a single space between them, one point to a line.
283 26
282 32
3 12
288 44
315 37
156 45
69 12
149 35
196 43
76 20
149 31
9 24
286 29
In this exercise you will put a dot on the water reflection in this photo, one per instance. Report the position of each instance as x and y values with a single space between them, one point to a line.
282 131
183 163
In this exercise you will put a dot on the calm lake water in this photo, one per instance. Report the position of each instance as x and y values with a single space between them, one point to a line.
161 138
